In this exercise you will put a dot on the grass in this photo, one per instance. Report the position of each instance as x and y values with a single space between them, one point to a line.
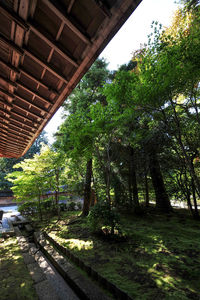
15 280
160 259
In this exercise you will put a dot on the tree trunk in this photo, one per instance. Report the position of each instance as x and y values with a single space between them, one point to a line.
130 189
57 194
196 212
146 190
93 198
87 188
189 204
133 181
162 200
39 204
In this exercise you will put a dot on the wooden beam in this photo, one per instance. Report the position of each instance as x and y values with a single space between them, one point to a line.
20 123
20 84
103 8
70 6
13 84
61 14
26 119
13 16
2 101
11 45
14 140
45 65
46 37
9 150
4 111
19 127
14 150
7 93
19 132
9 66
32 104
38 81
11 143
60 31
27 111
25 140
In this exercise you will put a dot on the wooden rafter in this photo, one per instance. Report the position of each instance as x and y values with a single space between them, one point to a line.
2 101
43 110
7 65
19 127
8 133
103 8
11 83
13 140
52 44
6 93
12 143
38 81
25 118
61 14
45 65
71 3
12 149
11 45
27 112
13 16
24 124
16 131
33 93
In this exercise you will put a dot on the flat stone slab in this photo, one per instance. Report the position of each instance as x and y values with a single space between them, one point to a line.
28 259
36 272
45 291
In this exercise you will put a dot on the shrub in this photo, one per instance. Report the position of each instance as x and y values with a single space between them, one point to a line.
63 206
79 205
71 206
101 215
28 208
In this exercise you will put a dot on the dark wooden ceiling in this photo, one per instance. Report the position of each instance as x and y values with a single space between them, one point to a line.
45 49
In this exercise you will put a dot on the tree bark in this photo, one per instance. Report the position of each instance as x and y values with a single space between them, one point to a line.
146 190
133 181
87 189
196 212
162 199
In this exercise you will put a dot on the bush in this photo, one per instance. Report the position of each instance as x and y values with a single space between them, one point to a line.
71 206
28 208
101 215
62 206
79 205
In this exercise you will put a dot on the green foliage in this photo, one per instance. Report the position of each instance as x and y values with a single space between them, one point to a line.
7 164
103 215
71 206
28 208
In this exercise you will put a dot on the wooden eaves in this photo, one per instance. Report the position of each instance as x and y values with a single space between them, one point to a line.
46 46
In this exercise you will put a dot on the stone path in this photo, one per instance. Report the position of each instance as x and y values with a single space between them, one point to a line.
49 284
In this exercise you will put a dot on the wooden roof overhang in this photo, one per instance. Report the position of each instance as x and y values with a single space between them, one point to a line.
46 46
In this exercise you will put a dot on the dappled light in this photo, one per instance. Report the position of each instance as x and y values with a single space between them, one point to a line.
15 279
77 244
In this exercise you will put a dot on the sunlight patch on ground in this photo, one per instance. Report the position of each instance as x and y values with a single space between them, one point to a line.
79 244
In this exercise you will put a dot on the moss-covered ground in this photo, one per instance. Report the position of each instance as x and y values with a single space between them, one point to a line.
159 259
15 280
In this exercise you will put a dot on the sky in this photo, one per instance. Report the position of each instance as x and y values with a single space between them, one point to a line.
128 39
